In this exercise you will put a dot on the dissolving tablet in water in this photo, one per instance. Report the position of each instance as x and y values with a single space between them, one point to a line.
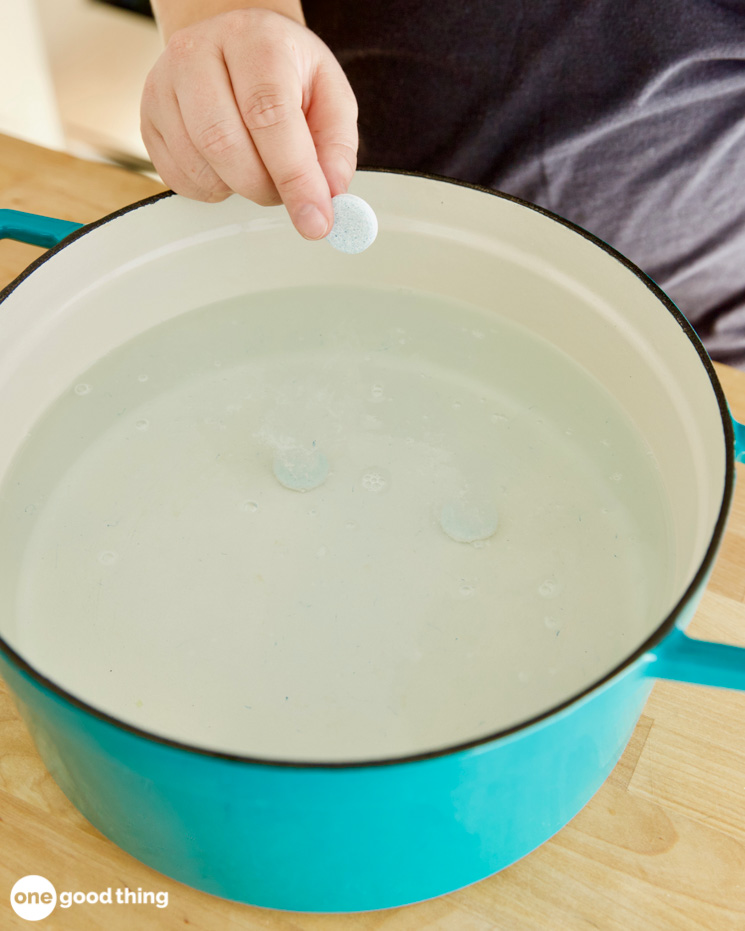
300 468
468 521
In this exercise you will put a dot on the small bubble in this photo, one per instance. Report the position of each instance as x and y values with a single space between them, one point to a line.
351 525
142 424
321 552
107 558
143 377
375 480
456 405
82 388
30 509
550 622
249 506
523 677
616 476
477 334
218 364
569 432
466 590
312 512
605 443
549 588
498 418
376 392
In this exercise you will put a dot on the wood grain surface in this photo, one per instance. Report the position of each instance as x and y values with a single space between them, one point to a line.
661 847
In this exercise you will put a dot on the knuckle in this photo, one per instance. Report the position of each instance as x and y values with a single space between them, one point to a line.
197 184
207 193
219 140
205 180
294 178
346 153
267 197
266 106
181 45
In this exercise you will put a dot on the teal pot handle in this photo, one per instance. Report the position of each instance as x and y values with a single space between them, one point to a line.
700 662
34 229
739 429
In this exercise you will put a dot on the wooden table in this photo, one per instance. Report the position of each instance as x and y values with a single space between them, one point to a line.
661 847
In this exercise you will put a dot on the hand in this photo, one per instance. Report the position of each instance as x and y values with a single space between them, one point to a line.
251 102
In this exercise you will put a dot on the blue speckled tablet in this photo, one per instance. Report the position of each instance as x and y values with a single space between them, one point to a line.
355 224
467 522
300 469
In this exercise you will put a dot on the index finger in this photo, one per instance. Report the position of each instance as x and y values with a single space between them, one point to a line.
272 110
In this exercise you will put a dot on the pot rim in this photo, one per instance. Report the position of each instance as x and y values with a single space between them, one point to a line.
659 634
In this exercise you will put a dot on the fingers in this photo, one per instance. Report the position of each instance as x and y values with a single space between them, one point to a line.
216 130
270 96
188 174
256 104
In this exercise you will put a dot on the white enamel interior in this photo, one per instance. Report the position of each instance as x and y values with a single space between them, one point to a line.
175 255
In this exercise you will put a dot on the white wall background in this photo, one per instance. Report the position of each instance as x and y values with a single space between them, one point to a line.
72 72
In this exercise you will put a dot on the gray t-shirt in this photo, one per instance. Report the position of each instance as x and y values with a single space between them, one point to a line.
626 118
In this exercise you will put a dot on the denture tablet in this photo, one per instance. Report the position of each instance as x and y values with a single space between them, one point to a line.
355 224
300 469
468 522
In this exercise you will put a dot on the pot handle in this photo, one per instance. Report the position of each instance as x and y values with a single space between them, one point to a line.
699 662
34 229
739 429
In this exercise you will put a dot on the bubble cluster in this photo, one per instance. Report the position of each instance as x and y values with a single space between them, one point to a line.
375 480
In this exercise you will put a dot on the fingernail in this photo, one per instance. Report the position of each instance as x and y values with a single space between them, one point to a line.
311 222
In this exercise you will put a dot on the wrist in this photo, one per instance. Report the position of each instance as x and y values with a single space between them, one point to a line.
172 15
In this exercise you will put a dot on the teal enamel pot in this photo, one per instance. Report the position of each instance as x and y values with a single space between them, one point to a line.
360 599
